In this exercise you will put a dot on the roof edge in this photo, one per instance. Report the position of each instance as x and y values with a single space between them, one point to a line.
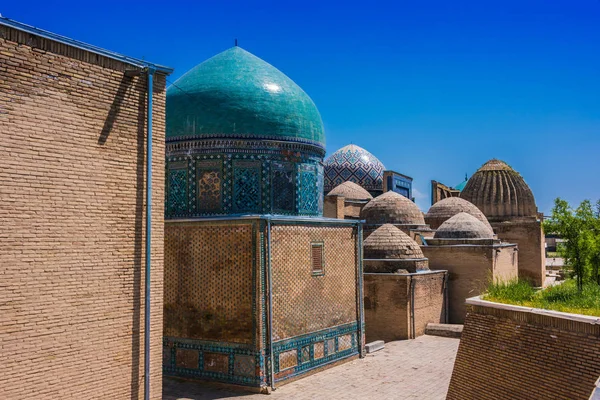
83 46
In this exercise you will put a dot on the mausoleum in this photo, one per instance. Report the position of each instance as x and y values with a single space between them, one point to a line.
259 287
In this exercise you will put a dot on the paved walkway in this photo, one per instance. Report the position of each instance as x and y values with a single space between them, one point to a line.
408 369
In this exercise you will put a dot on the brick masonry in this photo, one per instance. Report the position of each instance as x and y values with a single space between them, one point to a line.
506 354
72 185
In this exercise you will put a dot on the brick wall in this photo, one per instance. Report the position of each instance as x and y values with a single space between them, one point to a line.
530 238
388 304
470 270
304 302
72 185
505 354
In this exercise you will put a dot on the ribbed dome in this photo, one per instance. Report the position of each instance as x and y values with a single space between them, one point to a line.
389 242
351 191
463 226
392 208
237 95
354 164
500 192
449 207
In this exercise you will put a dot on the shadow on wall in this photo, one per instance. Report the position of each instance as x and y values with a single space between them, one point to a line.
115 107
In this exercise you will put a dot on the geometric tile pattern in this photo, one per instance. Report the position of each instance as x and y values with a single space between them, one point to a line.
248 178
302 353
200 285
355 164
304 302
247 186
177 191
244 365
216 362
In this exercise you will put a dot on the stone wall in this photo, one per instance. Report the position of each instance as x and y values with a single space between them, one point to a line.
510 352
528 234
470 269
388 304
72 184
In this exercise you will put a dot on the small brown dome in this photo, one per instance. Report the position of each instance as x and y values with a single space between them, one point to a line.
449 207
500 192
389 242
351 191
392 208
463 226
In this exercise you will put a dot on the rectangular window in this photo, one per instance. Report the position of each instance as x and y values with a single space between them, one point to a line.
317 258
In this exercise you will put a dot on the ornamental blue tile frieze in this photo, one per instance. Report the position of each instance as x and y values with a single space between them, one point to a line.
355 164
257 179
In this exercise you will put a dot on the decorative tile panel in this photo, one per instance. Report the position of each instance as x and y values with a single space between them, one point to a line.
308 194
177 189
244 365
209 186
319 350
344 342
216 362
186 358
288 359
247 186
283 181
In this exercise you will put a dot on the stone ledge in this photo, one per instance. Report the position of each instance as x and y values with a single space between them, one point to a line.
374 346
444 330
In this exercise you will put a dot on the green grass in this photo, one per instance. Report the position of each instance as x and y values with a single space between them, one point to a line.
553 254
563 297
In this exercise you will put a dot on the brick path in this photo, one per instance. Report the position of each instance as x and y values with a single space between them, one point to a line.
409 369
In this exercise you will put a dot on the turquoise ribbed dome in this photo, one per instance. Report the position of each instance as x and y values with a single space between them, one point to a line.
237 95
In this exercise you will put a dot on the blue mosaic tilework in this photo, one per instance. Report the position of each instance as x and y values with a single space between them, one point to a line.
220 184
305 346
177 193
354 164
239 368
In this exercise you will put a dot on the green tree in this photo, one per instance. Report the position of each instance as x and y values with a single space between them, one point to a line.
580 230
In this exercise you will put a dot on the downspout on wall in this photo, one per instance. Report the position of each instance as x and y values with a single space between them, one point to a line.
150 73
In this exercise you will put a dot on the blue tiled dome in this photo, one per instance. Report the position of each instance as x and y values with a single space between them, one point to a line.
237 95
355 164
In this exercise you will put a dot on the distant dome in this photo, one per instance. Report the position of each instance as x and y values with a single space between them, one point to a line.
237 95
351 191
500 192
392 208
354 164
449 207
463 226
389 242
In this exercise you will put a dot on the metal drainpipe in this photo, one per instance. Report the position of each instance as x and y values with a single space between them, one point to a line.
412 307
270 288
361 316
150 72
446 316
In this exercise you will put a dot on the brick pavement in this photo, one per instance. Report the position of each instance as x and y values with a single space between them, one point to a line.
408 369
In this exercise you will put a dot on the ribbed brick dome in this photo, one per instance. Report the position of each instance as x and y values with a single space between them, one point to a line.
449 207
351 191
500 192
389 242
463 226
392 208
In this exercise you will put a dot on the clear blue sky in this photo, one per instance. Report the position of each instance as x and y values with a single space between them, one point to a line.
432 88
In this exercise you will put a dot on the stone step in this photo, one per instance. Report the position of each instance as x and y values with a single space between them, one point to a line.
374 346
444 330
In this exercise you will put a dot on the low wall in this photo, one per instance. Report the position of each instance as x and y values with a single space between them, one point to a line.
388 304
512 352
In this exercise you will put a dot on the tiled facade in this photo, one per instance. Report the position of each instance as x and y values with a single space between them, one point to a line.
72 218
217 299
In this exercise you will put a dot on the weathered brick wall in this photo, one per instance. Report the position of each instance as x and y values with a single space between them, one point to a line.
303 302
519 355
210 273
388 304
530 238
470 270
72 186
